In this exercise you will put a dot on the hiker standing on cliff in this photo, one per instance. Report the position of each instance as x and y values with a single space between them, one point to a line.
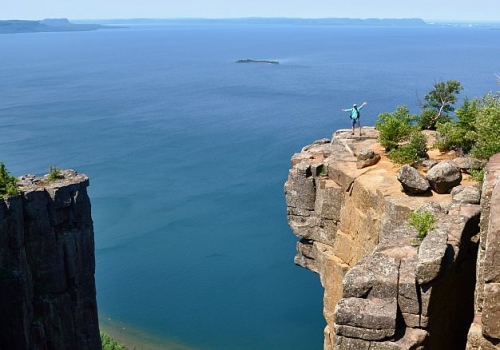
355 116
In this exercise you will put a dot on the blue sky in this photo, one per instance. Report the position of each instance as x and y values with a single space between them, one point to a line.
485 10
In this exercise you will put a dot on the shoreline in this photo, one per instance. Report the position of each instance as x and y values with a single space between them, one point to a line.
134 338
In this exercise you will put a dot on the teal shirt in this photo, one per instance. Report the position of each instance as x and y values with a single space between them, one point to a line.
354 113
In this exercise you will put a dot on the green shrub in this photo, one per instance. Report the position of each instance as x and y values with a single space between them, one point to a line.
395 127
54 173
423 221
401 138
477 174
8 184
476 129
411 152
109 343
487 128
459 133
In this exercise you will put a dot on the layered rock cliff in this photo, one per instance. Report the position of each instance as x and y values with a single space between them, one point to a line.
48 296
384 289
484 332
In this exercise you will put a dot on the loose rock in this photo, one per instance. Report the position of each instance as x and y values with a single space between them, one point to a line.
367 158
444 176
466 194
412 181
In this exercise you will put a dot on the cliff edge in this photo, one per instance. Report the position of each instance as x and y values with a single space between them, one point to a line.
384 288
47 264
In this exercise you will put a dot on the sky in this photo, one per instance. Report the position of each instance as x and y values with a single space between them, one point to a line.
461 10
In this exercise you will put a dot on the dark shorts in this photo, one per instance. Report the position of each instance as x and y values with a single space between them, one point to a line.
355 122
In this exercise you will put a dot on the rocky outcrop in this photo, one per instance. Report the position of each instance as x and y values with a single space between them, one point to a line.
484 333
48 296
384 289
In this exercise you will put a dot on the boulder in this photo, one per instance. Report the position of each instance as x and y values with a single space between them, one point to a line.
367 158
412 181
444 176
432 207
375 276
467 163
431 256
367 313
427 164
466 194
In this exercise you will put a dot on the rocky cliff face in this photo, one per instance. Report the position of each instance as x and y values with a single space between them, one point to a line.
48 297
383 288
485 330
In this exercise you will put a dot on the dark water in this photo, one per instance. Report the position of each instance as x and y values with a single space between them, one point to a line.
187 153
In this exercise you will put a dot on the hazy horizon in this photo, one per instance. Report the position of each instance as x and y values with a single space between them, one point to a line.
428 10
433 20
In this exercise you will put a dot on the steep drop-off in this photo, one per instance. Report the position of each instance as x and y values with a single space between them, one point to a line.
48 296
383 288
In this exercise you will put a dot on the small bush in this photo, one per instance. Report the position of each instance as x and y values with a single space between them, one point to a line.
109 343
395 127
422 221
477 175
8 184
54 173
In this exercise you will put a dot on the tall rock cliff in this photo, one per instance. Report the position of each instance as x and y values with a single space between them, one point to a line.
384 288
485 330
47 288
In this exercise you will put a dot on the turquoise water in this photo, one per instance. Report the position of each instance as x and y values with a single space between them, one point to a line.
187 153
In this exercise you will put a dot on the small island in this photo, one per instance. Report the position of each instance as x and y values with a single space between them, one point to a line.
257 61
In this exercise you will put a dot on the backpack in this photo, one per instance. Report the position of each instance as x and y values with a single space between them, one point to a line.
355 114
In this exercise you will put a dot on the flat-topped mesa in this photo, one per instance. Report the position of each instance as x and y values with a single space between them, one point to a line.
384 289
47 264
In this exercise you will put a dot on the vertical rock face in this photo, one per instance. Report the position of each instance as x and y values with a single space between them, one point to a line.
485 331
383 288
47 288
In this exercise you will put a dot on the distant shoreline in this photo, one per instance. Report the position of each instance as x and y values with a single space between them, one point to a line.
47 25
382 22
135 338
63 25
270 20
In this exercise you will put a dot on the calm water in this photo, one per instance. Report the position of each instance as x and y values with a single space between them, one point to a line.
187 153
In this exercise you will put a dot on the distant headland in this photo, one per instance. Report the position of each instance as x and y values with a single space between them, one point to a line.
257 61
46 25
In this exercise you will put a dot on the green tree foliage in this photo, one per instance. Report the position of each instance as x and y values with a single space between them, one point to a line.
109 343
8 184
487 131
439 103
401 138
476 130
459 133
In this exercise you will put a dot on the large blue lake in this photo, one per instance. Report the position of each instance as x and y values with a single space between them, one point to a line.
187 153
